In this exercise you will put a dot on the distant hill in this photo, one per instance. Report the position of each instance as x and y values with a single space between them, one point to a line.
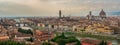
114 13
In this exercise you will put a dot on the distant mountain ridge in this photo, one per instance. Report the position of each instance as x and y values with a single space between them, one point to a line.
114 13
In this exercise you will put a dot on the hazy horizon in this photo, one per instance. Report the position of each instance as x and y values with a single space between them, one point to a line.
14 8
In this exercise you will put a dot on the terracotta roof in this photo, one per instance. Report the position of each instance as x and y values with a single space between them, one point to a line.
89 41
92 41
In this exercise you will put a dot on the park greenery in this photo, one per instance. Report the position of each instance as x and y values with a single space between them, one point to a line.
103 43
9 42
100 37
30 39
62 40
46 43
25 31
82 35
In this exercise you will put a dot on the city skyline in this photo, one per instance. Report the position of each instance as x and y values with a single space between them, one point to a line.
60 22
13 8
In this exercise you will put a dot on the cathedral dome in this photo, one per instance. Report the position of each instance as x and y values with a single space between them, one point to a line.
102 13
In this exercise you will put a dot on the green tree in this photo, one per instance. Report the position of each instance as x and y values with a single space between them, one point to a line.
62 39
78 43
30 39
25 31
63 36
46 43
103 43
9 42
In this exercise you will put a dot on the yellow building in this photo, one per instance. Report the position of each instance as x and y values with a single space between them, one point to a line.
78 28
99 28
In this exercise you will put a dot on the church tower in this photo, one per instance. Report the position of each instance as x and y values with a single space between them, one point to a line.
60 14
89 16
102 14
90 13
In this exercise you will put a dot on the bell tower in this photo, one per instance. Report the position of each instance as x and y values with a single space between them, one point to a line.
60 14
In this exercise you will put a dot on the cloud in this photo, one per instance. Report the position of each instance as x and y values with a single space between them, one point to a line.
51 7
18 9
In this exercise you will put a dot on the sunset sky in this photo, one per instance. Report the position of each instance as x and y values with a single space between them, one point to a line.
51 7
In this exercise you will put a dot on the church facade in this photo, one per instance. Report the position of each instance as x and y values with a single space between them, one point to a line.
102 15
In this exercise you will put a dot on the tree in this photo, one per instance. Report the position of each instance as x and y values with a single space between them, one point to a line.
46 43
78 43
30 39
103 43
62 39
9 42
25 31
30 31
19 29
63 35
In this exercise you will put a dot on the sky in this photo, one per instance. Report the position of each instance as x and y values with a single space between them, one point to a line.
13 8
